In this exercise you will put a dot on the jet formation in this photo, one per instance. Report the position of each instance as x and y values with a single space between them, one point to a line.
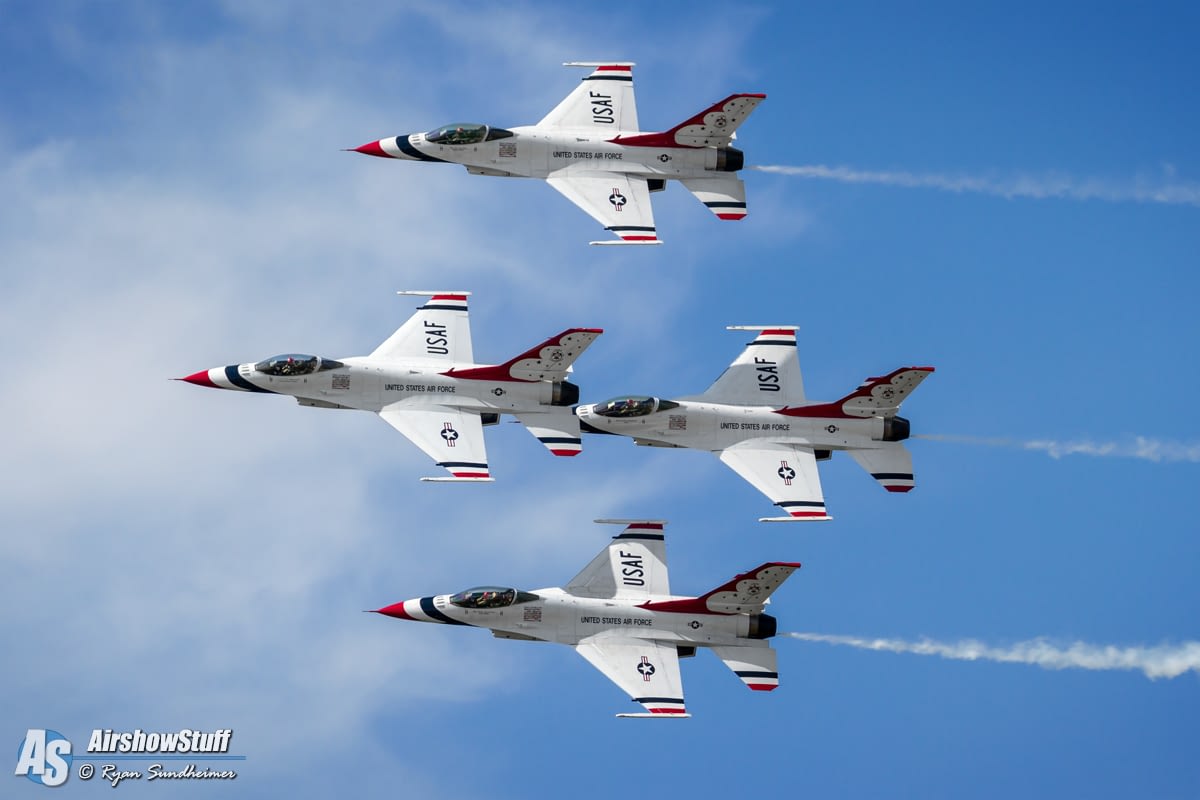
620 615
590 149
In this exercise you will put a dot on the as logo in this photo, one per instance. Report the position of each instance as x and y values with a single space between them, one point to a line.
44 757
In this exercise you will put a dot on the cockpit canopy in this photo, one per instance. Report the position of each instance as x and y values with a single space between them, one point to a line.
466 133
292 364
490 597
633 406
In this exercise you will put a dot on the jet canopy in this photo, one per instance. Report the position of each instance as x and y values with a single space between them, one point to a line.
490 597
632 406
292 364
466 133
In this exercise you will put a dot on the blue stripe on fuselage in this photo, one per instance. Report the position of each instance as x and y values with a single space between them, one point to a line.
430 611
412 152
231 372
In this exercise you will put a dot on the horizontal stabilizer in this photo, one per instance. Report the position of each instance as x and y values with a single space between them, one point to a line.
756 666
558 430
645 715
891 465
724 196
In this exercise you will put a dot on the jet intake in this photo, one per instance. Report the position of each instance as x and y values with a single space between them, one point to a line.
730 159
895 429
565 394
762 626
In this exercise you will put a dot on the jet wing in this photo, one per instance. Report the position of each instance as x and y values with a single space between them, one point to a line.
632 567
439 331
786 473
648 671
452 437
619 202
603 100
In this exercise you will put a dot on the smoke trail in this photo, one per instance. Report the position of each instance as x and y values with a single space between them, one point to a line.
1157 450
1163 661
1165 190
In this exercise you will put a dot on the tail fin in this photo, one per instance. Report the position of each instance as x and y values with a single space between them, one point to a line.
712 127
767 372
745 594
882 396
549 361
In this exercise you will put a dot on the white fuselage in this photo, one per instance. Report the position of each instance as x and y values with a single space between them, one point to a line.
715 426
557 616
372 384
533 152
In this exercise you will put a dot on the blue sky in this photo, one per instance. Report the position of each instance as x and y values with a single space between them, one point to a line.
1013 196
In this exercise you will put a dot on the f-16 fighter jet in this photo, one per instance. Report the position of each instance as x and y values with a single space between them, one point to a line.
620 615
590 149
756 418
423 381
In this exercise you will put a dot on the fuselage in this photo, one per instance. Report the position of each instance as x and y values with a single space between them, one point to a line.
371 384
554 615
532 152
715 426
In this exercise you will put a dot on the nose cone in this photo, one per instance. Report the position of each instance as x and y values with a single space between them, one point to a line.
394 610
372 149
200 379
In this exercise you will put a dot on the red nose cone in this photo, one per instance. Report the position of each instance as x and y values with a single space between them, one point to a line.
200 379
394 610
371 149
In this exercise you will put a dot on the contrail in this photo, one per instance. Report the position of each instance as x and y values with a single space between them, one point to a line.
1157 450
1164 190
1162 661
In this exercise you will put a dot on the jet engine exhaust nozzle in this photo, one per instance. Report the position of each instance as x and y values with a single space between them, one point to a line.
895 429
762 626
565 394
730 159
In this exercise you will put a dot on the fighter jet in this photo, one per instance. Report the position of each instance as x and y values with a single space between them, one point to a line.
620 615
424 383
590 149
756 418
